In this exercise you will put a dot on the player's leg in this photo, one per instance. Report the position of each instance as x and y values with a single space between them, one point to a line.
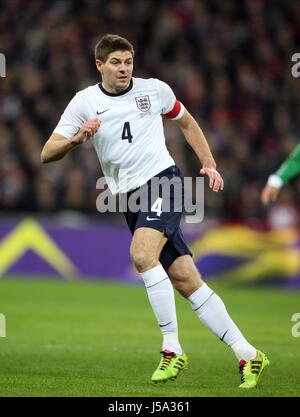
207 304
212 312
153 227
145 250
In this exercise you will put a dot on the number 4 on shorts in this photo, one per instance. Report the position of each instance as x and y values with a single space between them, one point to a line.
157 206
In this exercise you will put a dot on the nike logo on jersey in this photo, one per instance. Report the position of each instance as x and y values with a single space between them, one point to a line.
150 218
100 112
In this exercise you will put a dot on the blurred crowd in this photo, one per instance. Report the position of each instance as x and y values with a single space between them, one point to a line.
229 62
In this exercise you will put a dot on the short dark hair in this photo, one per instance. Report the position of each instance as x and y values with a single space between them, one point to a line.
111 43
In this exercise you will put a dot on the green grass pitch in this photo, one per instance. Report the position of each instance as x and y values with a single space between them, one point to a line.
101 339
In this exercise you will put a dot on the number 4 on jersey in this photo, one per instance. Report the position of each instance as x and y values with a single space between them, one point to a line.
126 134
157 206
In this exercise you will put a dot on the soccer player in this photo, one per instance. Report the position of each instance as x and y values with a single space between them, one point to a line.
287 171
122 115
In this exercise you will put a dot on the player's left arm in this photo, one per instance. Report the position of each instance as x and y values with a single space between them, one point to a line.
196 139
286 172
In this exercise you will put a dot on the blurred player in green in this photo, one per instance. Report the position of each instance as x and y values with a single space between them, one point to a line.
287 171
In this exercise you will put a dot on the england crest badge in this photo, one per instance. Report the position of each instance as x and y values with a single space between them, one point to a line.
143 103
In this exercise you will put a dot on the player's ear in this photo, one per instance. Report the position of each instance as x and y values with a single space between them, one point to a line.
99 64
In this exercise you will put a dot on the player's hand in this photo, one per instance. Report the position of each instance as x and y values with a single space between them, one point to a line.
216 182
87 130
269 194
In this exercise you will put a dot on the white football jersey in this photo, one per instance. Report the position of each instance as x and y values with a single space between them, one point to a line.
130 142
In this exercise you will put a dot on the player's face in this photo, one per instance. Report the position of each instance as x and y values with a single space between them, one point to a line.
116 71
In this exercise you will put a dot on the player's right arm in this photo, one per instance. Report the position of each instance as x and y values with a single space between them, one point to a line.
57 146
72 129
288 170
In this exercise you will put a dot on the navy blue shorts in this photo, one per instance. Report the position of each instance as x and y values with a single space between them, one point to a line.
159 210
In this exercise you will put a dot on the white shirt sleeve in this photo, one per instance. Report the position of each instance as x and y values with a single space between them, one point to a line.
171 107
72 118
275 181
167 96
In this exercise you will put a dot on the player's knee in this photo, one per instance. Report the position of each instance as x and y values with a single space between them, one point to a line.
143 260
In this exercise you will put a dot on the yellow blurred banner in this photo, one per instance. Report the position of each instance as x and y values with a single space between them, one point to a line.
239 253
